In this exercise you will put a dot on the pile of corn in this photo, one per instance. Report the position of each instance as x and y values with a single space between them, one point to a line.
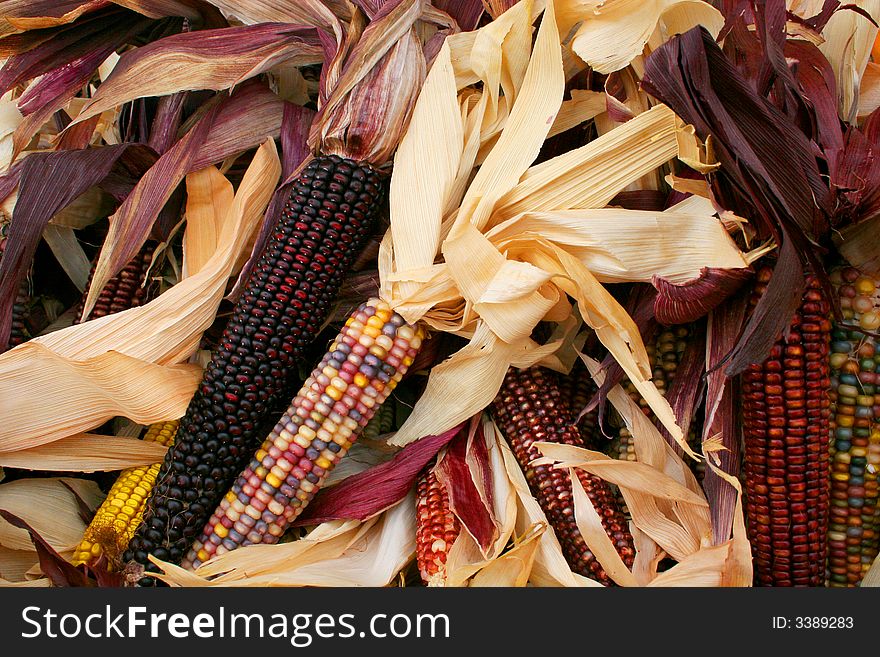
290 380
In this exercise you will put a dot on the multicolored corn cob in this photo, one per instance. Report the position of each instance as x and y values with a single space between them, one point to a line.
529 408
665 353
115 520
323 225
363 365
437 527
854 525
124 291
786 422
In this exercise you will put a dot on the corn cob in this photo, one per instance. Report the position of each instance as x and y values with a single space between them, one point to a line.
381 423
786 413
326 219
437 527
577 390
530 408
127 290
363 365
665 353
119 514
854 524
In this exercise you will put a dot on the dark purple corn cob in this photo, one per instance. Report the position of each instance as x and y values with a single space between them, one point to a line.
127 290
530 408
324 224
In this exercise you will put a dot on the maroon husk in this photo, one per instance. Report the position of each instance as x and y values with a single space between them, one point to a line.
295 125
54 89
49 182
454 471
465 12
681 303
368 493
169 170
721 413
763 329
66 44
769 170
684 390
59 571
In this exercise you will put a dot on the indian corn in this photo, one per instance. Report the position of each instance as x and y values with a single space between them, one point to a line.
786 414
124 291
327 218
437 527
529 408
854 524
665 352
363 365
115 520
577 389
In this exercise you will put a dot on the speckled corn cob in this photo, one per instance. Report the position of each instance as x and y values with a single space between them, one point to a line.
325 222
115 520
665 353
363 365
127 290
786 413
437 527
529 408
854 525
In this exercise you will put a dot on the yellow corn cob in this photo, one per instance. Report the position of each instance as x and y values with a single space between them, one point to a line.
120 514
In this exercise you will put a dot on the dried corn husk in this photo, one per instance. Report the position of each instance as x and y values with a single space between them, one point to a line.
489 255
125 364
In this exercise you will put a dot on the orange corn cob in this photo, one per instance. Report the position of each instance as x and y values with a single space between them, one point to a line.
437 527
786 413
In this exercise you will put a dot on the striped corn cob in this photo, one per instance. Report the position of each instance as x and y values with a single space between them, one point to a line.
363 365
854 524
437 527
530 408
577 390
124 291
326 219
119 514
786 413
19 332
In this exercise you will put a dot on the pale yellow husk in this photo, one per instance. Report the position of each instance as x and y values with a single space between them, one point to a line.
131 364
488 252
848 40
56 518
85 453
337 553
